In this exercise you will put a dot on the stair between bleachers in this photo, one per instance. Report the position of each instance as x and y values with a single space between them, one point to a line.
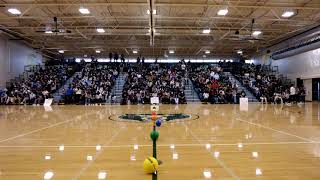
250 96
116 92
57 96
190 93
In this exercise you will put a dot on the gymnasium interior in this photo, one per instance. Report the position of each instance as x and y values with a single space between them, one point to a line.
159 89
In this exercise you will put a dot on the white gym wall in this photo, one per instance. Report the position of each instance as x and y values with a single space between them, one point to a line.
14 56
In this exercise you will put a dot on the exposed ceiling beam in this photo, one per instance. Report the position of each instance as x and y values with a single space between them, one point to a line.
159 18
315 6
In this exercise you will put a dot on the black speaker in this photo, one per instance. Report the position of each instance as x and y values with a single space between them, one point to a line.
299 82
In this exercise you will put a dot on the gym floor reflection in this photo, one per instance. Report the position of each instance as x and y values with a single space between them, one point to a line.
81 142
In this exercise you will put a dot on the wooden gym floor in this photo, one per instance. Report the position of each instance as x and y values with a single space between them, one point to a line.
217 142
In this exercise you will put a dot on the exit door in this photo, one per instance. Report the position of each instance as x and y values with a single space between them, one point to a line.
316 89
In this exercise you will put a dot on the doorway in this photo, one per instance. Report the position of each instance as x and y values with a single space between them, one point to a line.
316 89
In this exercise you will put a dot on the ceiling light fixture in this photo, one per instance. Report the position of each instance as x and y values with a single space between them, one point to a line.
48 32
154 12
84 10
149 30
207 52
287 14
135 52
14 11
61 52
100 30
256 33
171 51
239 51
206 31
223 12
98 51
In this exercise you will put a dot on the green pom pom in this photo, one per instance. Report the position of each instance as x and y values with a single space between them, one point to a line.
154 135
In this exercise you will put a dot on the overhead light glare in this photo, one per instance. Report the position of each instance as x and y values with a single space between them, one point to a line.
258 171
255 154
207 174
84 10
287 14
256 33
48 175
223 12
98 147
175 156
154 11
14 11
102 175
100 30
206 31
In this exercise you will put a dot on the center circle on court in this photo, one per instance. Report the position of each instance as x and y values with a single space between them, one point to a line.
147 117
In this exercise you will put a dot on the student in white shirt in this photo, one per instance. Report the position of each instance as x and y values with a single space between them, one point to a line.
292 97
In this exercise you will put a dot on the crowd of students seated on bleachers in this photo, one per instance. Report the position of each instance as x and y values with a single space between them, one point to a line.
145 81
36 87
213 86
95 81
265 86
93 85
